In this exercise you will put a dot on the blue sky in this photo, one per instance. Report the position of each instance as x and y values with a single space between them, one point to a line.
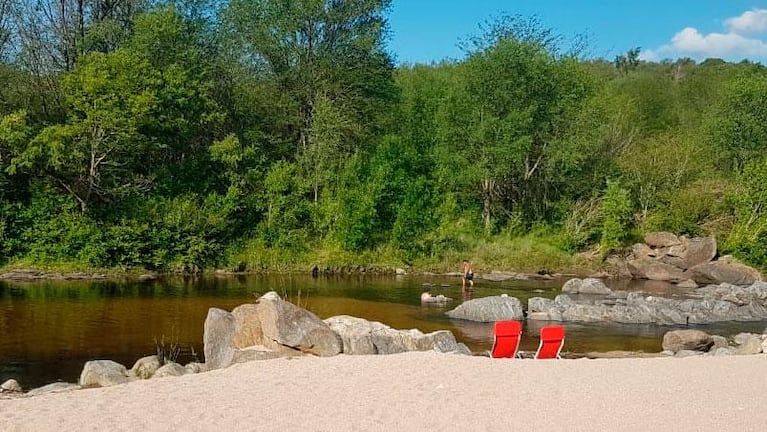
424 31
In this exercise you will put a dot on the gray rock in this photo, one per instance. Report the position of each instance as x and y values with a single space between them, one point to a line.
10 385
170 369
647 268
687 340
689 283
675 261
661 239
715 303
288 325
400 271
752 345
361 336
58 387
725 272
719 342
103 373
688 353
640 250
667 353
217 338
699 251
722 351
195 367
489 309
145 367
741 338
586 286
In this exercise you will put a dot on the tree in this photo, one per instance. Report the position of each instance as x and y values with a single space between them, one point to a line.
128 110
312 48
738 125
628 61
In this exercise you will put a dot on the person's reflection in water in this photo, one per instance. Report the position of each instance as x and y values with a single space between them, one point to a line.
466 294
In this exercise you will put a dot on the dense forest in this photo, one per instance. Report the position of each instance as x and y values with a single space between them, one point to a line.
269 135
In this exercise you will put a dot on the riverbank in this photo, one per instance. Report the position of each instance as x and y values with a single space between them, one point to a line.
418 391
527 255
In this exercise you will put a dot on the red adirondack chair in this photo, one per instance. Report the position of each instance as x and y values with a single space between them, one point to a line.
552 340
506 339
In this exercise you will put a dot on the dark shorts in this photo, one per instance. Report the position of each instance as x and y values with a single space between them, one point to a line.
469 276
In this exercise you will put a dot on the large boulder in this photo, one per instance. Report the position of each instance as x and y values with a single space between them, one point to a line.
103 373
286 325
217 338
699 250
489 309
725 272
361 336
661 239
586 286
693 340
267 329
655 270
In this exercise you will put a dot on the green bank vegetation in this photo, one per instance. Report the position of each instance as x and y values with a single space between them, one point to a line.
272 135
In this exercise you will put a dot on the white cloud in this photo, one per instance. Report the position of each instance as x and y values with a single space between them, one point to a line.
753 21
731 45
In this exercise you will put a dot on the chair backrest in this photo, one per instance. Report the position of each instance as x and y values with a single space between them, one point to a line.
552 340
506 339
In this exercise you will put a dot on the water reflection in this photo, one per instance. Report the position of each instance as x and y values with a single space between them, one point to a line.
49 329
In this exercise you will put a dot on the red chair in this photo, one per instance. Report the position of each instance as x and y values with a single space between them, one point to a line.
552 340
506 339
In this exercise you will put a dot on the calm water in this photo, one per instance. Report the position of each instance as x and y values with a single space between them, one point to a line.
49 329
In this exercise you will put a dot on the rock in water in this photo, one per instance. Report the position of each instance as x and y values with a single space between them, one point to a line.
687 340
10 385
586 286
489 309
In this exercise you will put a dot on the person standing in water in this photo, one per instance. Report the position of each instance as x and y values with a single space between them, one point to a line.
468 275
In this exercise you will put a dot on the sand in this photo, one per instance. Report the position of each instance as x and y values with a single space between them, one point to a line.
420 392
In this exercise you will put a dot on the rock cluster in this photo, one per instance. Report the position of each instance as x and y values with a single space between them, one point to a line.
105 373
274 328
666 257
709 304
687 343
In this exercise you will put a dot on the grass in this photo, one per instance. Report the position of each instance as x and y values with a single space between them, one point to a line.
530 253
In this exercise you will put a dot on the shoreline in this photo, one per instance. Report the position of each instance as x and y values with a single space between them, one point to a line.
418 391
33 274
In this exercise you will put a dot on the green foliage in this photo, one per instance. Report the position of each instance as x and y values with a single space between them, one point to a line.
749 235
617 211
278 134
738 125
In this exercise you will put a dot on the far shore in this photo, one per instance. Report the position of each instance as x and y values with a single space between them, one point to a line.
33 274
419 391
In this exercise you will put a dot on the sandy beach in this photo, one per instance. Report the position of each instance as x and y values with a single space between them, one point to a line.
419 391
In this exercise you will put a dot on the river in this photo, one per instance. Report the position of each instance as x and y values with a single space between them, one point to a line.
49 329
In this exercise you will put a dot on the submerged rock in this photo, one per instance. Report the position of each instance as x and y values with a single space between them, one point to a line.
586 286
690 340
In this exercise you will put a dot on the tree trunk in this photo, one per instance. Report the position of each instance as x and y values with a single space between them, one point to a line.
488 189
